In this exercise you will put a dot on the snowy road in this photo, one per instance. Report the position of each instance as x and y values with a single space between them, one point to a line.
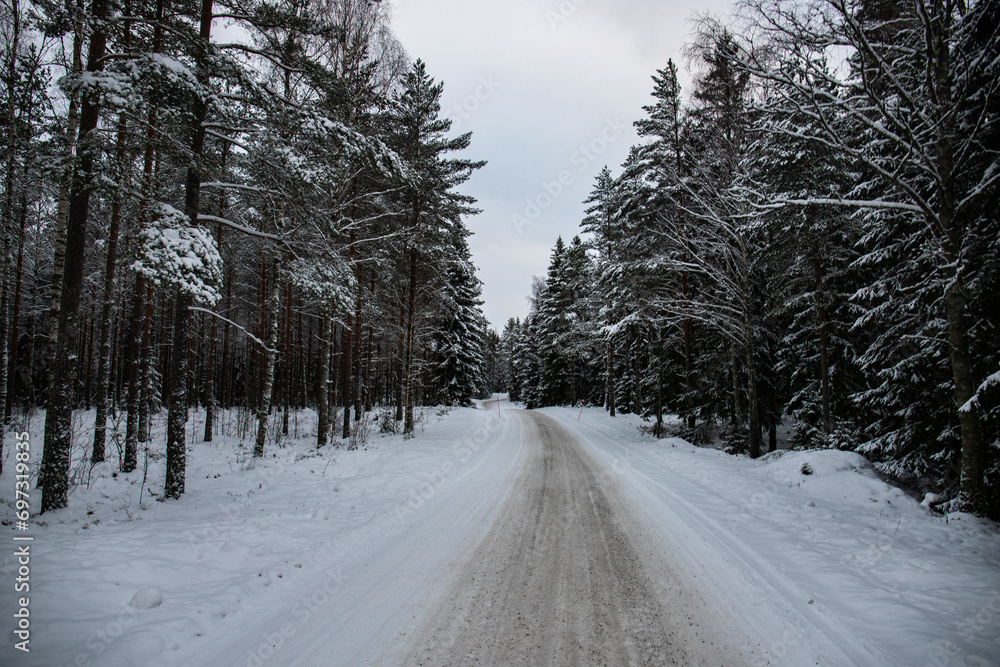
500 536
527 557
560 580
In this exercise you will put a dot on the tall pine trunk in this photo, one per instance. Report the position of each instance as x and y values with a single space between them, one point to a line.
15 333
270 356
345 375
358 366
973 481
107 310
59 416
609 371
7 214
753 406
225 395
59 237
824 363
134 353
408 370
323 378
397 369
213 337
138 328
146 368
177 406
286 361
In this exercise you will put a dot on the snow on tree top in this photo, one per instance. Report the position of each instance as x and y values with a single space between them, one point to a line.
177 254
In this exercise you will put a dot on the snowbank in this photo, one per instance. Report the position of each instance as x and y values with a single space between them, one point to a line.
826 562
119 580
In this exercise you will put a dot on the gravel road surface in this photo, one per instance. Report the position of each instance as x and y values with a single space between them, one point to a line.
566 577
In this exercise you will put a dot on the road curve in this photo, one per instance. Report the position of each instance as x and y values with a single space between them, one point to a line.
560 579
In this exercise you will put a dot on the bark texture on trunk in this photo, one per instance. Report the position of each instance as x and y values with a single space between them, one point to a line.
824 358
408 370
323 380
609 373
345 376
15 331
177 408
753 406
270 360
134 354
210 381
59 416
107 310
59 240
973 487
177 405
7 215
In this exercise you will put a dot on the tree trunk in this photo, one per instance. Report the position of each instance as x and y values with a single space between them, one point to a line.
737 416
62 219
177 408
334 405
636 376
753 406
35 275
286 361
138 326
369 380
345 375
59 416
270 358
973 488
659 386
300 362
397 369
257 354
323 379
15 334
972 495
7 214
146 367
824 365
226 394
134 376
609 371
357 368
107 309
88 392
11 378
213 338
410 398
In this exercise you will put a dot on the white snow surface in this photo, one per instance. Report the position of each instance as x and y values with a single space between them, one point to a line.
308 551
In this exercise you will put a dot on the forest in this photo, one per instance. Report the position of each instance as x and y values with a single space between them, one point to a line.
807 240
257 206
261 220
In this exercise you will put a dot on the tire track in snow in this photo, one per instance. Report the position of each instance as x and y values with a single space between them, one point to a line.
678 516
558 580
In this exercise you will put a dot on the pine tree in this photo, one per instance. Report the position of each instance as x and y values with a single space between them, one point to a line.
432 207
459 331
554 327
926 155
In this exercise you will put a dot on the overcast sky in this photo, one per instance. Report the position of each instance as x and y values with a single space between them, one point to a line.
549 90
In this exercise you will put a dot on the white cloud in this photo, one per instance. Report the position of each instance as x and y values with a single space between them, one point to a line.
554 87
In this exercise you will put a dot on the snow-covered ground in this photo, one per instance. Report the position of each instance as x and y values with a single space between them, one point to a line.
257 565
254 553
819 559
